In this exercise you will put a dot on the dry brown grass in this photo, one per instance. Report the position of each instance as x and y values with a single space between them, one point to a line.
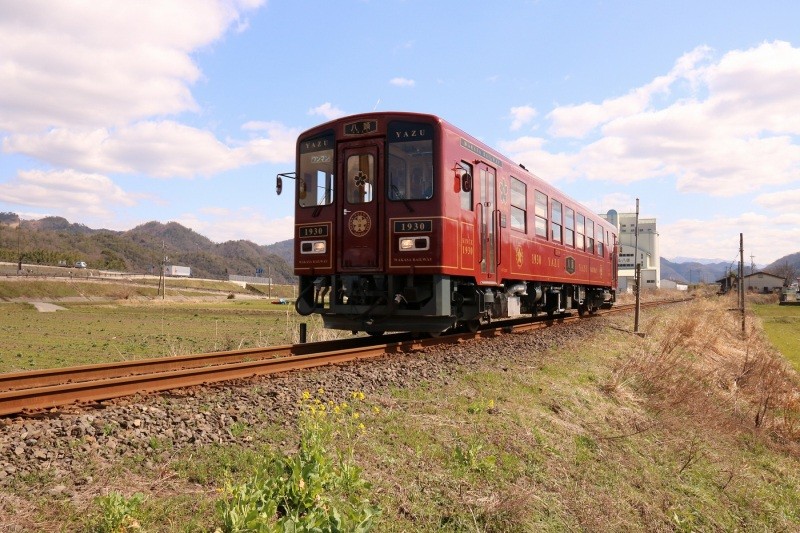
698 364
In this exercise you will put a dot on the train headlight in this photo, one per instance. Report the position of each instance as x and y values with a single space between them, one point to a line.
313 247
410 244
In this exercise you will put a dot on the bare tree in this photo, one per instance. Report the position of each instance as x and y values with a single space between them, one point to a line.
787 271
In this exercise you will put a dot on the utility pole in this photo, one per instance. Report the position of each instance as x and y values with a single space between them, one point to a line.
162 277
741 279
637 272
19 247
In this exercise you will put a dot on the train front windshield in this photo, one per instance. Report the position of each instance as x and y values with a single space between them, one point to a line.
410 161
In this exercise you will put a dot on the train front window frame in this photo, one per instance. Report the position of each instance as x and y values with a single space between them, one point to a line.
316 172
410 171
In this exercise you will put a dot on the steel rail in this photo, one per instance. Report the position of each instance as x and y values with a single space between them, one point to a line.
60 376
46 397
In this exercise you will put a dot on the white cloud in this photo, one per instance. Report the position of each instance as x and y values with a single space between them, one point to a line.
579 120
327 110
764 237
530 152
73 193
402 82
619 201
103 63
784 201
733 133
521 116
161 149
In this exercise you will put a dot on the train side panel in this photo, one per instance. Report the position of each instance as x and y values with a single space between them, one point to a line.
404 222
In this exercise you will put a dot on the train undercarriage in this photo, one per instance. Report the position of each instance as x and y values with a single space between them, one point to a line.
435 303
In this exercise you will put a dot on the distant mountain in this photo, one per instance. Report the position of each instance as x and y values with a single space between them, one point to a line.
284 249
698 270
142 249
694 271
787 267
702 261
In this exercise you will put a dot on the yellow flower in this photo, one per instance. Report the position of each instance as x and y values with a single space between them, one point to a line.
306 395
376 409
361 427
320 391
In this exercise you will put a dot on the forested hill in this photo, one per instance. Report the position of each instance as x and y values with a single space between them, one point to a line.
141 249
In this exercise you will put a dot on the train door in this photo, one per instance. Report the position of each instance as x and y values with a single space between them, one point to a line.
487 180
360 206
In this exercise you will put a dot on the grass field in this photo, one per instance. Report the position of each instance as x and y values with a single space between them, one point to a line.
782 326
112 321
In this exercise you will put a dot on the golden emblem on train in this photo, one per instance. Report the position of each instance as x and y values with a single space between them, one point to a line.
519 256
359 224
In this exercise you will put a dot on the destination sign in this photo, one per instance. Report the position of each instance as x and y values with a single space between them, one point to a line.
409 131
413 226
316 144
362 127
481 152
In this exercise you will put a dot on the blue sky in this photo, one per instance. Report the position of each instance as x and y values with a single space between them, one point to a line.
114 113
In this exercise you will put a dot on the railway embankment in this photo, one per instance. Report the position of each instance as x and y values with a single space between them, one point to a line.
692 426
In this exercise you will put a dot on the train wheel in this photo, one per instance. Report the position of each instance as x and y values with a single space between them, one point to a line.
581 310
473 325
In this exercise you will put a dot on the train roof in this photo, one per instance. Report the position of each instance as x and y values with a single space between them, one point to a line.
444 124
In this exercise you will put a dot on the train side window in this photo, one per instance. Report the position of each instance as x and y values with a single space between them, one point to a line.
360 178
600 247
569 226
590 236
555 220
580 223
466 196
315 178
540 214
519 205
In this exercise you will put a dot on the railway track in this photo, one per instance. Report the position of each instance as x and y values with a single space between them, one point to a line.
37 390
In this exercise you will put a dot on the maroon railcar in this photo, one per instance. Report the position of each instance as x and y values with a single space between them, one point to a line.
405 223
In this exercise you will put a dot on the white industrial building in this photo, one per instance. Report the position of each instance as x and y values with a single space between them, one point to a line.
647 252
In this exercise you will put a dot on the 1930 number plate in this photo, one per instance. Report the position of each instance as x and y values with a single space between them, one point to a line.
413 226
